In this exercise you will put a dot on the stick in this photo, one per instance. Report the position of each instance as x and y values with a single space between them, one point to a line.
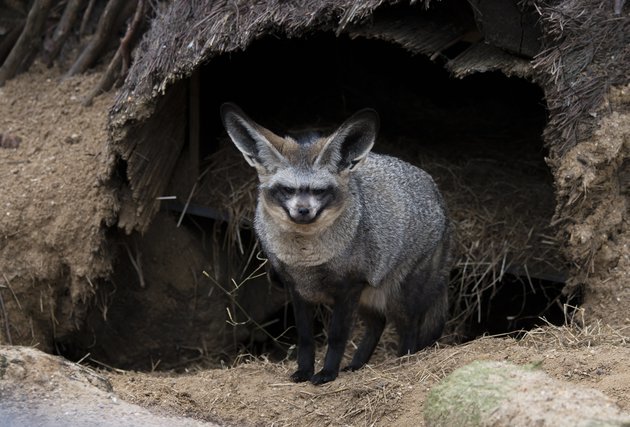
17 301
86 18
6 320
69 17
28 40
103 32
9 40
181 217
107 79
137 264
121 58
125 43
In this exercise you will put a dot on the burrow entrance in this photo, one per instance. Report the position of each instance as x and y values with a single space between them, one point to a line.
192 289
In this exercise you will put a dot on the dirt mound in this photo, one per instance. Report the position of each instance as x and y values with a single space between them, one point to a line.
54 203
390 391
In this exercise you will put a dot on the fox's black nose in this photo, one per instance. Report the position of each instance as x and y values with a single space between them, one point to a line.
303 215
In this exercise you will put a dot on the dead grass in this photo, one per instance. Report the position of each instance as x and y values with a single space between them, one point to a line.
389 391
576 334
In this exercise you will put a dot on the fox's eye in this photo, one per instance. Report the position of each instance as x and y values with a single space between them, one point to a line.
287 190
320 191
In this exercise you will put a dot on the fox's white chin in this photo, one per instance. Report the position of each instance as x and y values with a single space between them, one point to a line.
315 226
302 219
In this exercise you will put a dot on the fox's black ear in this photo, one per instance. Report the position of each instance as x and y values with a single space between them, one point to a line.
251 139
349 146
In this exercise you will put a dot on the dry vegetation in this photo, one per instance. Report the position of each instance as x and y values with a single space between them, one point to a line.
390 391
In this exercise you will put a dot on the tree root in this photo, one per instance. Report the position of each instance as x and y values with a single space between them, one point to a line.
86 18
95 47
28 40
24 40
9 41
119 65
53 46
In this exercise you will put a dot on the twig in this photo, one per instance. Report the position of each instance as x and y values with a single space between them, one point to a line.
125 43
111 368
240 307
137 264
192 191
8 41
78 362
107 79
119 65
86 17
6 320
96 45
69 17
17 301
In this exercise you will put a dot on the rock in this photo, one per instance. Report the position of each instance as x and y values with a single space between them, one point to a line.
75 138
37 389
487 393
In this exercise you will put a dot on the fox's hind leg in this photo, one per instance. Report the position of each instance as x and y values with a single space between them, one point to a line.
435 293
435 314
421 309
419 314
374 323
406 323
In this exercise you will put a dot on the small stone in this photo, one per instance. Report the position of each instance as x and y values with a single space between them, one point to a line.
75 138
8 140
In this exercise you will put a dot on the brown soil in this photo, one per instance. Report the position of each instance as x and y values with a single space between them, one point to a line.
54 204
599 209
391 391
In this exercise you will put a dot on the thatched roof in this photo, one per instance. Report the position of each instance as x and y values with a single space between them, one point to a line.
586 51
185 35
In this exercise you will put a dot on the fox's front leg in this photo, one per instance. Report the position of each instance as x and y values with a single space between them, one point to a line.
338 333
303 312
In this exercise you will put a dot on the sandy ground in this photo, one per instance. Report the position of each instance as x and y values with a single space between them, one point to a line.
43 390
54 203
391 391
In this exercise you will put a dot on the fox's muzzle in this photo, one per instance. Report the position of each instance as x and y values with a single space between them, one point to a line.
302 209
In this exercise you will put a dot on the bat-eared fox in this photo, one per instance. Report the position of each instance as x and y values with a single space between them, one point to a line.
359 231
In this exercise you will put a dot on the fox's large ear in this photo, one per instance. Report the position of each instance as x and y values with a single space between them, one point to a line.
349 146
251 139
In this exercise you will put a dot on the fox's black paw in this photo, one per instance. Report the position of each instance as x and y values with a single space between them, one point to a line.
301 375
323 376
352 368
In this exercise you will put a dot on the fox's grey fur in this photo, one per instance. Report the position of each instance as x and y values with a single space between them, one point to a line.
349 228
